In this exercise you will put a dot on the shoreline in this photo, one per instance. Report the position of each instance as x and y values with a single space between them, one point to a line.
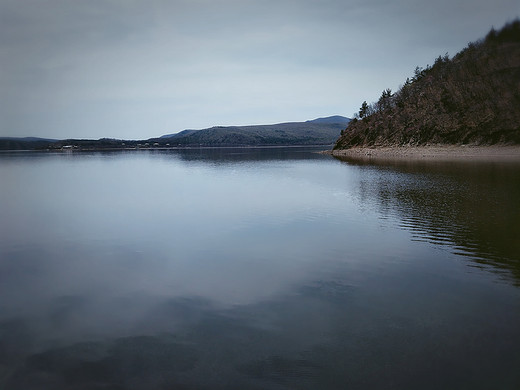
438 153
162 148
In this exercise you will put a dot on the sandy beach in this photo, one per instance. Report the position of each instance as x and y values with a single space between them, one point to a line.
440 153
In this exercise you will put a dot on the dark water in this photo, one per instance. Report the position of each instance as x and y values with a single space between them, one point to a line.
257 269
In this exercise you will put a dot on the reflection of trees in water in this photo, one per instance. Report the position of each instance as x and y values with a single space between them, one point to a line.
241 155
472 206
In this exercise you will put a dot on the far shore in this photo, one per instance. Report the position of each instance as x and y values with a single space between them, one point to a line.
434 152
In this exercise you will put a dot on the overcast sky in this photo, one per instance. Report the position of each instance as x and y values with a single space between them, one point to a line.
138 69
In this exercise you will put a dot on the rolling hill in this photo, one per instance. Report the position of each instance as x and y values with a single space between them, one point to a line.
321 131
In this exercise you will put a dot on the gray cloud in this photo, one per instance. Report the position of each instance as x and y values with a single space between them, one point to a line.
135 69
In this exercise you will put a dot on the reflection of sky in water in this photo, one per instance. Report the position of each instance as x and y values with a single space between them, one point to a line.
271 269
234 233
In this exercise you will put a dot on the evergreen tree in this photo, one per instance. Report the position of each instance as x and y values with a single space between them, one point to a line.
363 111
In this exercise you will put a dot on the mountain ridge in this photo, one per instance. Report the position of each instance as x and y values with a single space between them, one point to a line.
320 131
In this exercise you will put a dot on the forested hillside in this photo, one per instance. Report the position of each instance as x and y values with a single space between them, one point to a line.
321 131
472 98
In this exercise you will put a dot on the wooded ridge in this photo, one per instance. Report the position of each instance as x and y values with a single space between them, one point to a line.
472 98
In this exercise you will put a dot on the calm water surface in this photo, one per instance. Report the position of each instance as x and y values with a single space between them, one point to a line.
257 269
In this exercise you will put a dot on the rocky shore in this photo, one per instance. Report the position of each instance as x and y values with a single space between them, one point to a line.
442 152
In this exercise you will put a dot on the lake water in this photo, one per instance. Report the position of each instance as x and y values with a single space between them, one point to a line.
257 269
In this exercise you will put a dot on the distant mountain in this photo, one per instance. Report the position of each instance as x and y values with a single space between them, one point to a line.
331 119
25 143
181 133
473 98
28 139
321 131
